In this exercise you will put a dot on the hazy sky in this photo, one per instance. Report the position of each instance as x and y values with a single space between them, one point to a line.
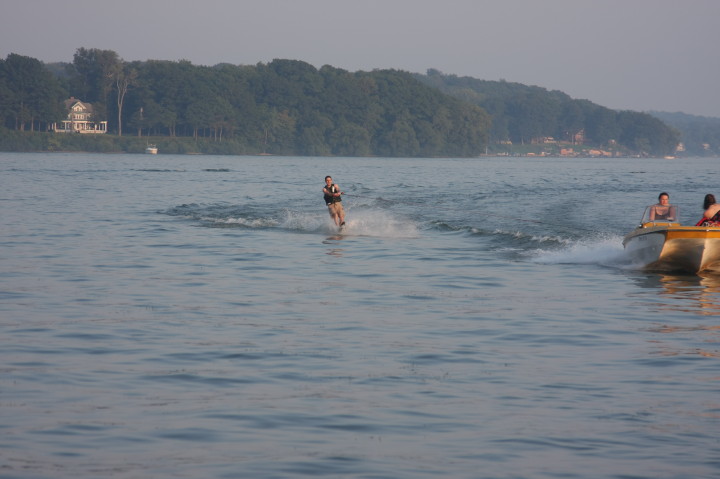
624 54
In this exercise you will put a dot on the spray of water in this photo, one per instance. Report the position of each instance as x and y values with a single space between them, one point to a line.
358 222
604 251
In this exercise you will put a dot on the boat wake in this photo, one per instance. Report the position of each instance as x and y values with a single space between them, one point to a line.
604 251
359 222
379 223
550 248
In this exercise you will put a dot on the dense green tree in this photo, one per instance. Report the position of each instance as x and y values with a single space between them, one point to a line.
29 93
535 116
646 134
700 135
469 131
161 94
6 99
291 107
522 113
400 139
124 77
601 125
571 120
93 75
285 106
350 139
311 142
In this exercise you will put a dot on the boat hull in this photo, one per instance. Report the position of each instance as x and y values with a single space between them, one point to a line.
673 247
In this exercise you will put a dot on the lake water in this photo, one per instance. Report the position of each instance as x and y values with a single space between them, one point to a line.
198 317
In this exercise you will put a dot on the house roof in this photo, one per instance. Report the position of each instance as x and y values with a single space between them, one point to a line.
72 101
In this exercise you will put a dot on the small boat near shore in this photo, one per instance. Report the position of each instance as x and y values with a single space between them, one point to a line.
151 150
666 245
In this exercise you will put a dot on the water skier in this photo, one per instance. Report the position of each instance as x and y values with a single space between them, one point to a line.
333 200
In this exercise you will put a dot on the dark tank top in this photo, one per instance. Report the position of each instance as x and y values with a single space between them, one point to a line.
329 199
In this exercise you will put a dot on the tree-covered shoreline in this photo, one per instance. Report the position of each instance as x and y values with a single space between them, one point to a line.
522 114
289 107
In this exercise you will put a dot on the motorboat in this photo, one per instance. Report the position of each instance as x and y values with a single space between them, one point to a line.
663 244
151 150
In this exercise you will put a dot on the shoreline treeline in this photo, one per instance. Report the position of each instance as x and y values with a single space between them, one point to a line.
289 107
523 113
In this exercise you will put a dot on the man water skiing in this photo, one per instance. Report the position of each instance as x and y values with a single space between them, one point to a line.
333 201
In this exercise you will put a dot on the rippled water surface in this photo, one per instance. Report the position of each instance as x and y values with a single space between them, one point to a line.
198 317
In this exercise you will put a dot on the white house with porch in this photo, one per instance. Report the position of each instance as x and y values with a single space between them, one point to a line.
80 119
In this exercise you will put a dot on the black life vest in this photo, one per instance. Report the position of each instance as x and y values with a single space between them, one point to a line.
330 199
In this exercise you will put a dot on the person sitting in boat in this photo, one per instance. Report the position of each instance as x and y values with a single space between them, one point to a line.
663 210
711 216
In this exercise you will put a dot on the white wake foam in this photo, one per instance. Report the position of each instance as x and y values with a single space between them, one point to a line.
378 223
357 222
247 222
605 251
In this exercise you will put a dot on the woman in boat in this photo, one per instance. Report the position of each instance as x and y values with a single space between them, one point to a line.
711 217
663 210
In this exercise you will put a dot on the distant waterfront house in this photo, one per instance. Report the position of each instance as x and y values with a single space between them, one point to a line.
579 137
80 119
543 140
